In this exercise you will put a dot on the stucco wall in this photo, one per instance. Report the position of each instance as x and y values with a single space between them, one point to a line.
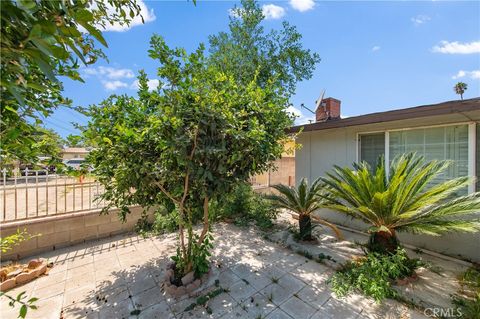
68 229
321 150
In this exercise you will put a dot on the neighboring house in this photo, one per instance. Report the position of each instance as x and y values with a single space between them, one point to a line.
449 130
74 152
284 172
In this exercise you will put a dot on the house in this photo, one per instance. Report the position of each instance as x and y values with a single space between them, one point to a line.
448 130
74 152
284 172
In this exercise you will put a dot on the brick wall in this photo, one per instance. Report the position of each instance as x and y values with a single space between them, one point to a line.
64 230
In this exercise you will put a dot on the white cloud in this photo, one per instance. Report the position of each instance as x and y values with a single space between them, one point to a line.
271 11
375 48
457 47
300 118
114 85
475 74
147 14
420 19
152 84
109 72
302 5
110 77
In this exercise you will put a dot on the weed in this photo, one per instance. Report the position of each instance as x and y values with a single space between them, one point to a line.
418 251
135 312
373 275
270 297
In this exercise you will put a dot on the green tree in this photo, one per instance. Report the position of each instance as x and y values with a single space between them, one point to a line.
407 199
48 144
40 42
304 201
460 88
201 132
247 51
190 141
74 141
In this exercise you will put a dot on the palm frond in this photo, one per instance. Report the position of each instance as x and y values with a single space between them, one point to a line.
406 199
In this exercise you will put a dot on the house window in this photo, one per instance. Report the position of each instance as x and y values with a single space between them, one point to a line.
440 143
372 146
477 156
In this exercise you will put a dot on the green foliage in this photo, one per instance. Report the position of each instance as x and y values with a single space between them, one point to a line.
198 257
247 51
468 303
8 242
74 141
469 308
243 205
373 275
471 278
201 132
204 299
165 222
25 305
404 200
201 251
42 41
304 201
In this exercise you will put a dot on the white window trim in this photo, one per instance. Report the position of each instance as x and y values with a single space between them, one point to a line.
472 145
472 132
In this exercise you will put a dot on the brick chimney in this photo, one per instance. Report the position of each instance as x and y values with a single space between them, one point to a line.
328 110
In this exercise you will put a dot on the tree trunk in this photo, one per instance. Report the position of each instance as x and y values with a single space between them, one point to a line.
206 223
305 225
383 242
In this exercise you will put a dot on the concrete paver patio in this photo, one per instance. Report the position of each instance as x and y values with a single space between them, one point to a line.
112 278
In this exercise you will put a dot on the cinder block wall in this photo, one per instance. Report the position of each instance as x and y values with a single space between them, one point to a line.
285 172
65 230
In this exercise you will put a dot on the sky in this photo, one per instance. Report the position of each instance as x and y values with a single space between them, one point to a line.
376 55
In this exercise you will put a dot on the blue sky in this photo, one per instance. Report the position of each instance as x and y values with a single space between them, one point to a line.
376 56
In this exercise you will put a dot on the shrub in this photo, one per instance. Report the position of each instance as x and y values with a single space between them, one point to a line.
373 275
242 206
165 222
468 304
304 201
405 199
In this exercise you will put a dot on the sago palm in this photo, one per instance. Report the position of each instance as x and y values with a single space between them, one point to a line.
303 200
407 199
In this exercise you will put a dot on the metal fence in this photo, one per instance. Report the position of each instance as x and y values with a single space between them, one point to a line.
39 193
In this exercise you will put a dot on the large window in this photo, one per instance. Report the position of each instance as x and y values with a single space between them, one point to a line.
371 147
440 143
477 157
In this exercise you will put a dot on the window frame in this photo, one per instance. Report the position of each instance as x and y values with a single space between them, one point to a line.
472 143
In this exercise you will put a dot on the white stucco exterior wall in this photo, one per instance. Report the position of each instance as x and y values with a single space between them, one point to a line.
321 150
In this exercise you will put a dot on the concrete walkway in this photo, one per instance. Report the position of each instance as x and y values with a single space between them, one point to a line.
121 278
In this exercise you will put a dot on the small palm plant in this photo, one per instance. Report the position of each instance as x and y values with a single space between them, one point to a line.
303 201
403 200
460 88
